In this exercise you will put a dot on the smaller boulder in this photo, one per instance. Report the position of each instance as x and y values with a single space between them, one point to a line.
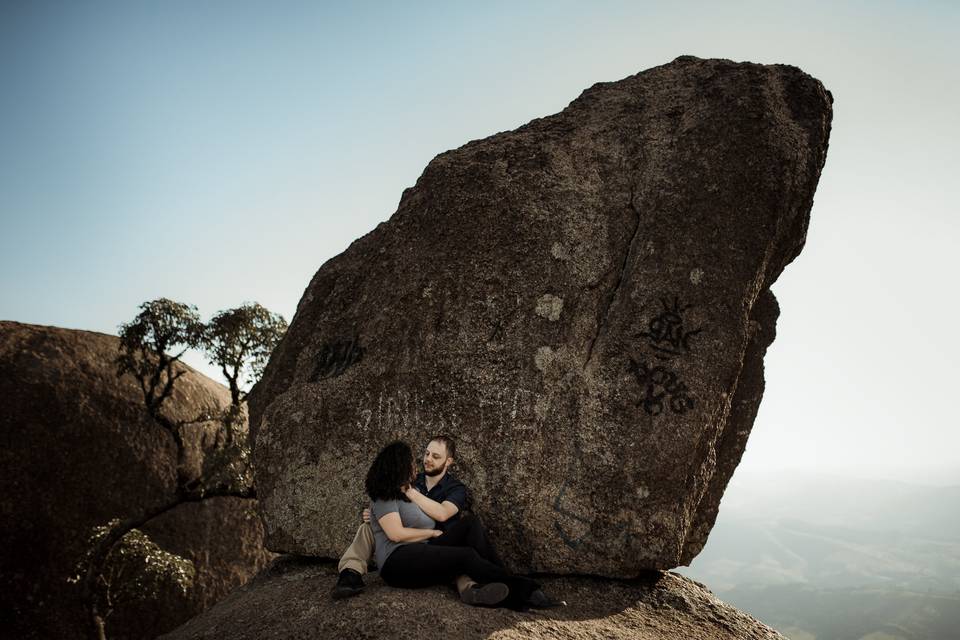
79 450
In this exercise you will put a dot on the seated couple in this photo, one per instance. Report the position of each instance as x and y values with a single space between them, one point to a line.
422 536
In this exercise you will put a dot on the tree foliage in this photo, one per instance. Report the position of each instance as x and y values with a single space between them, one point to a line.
240 342
228 466
162 325
135 569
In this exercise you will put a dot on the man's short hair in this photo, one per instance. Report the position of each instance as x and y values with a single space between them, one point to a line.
447 442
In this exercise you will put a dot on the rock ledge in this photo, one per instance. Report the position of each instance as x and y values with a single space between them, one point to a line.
291 599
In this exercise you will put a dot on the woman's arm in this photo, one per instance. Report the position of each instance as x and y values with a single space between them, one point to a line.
393 527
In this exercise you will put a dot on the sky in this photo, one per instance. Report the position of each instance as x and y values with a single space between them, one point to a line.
217 153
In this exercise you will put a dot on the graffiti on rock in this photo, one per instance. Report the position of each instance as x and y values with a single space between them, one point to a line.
335 358
661 389
499 412
575 530
666 333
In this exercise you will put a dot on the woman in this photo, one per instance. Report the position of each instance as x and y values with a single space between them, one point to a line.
412 554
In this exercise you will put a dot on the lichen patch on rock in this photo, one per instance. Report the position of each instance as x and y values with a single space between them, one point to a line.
549 306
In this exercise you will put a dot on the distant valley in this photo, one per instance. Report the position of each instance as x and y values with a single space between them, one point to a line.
836 558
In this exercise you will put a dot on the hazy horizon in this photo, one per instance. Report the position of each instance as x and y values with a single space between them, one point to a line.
220 153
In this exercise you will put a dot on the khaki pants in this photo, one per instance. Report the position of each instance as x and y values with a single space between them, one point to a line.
360 552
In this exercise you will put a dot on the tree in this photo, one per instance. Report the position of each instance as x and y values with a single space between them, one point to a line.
240 342
160 326
236 335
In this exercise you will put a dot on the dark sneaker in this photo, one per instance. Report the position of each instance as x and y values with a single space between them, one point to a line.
350 583
539 600
486 595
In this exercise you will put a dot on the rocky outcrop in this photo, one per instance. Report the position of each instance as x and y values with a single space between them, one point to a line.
582 302
290 600
79 450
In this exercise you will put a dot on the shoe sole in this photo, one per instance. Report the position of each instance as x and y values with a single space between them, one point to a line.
344 592
487 595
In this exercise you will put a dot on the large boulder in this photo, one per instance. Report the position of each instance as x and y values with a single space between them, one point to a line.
79 450
583 302
289 600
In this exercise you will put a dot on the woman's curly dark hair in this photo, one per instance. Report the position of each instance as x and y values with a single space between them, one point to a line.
391 469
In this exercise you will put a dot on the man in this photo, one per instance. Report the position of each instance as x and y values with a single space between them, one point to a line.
436 491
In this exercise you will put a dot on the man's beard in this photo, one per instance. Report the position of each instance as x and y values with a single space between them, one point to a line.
437 471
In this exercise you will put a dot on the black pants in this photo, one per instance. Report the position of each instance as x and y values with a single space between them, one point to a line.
468 531
466 551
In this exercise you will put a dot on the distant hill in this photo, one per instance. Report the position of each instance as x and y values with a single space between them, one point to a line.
835 558
833 532
807 613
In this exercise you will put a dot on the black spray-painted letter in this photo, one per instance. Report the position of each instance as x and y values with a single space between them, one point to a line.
661 388
335 358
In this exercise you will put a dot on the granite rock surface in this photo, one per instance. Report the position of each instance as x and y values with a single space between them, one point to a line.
291 600
583 302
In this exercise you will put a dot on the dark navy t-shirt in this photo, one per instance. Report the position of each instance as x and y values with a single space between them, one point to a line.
449 488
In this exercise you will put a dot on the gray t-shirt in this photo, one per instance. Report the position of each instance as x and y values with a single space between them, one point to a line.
410 516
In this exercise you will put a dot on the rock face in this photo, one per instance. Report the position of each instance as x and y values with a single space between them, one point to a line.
290 600
78 450
582 302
